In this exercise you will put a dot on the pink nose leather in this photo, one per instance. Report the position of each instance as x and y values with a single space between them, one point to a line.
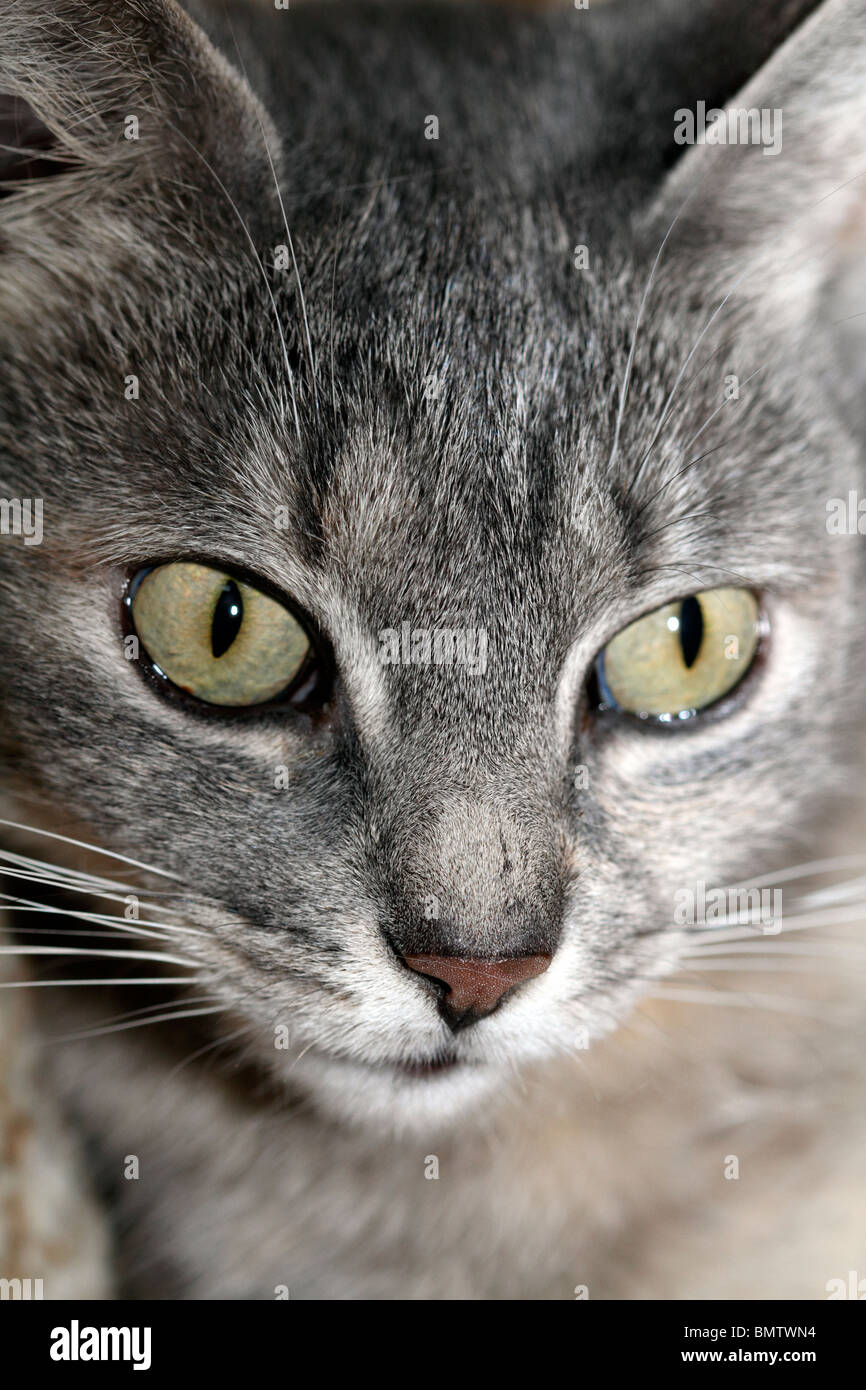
476 986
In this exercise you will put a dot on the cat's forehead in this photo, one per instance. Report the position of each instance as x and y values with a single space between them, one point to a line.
452 434
458 429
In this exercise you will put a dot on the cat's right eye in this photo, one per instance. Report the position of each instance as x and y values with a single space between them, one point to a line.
216 637
681 658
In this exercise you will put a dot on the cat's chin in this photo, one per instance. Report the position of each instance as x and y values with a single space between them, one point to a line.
404 1099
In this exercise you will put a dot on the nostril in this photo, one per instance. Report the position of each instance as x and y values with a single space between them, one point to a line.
474 985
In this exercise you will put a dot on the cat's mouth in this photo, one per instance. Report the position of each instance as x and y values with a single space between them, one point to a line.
411 1073
424 1068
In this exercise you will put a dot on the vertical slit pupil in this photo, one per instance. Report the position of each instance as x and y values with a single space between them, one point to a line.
227 618
691 630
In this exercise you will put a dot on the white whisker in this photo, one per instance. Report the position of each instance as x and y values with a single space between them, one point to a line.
814 866
23 928
218 1042
289 241
626 380
165 1017
73 984
301 1055
776 1003
752 947
852 888
103 919
746 932
236 210
184 1002
95 849
80 883
666 408
103 954
756 963
84 888
42 868
719 408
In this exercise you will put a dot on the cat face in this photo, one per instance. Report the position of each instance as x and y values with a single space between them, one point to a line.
405 411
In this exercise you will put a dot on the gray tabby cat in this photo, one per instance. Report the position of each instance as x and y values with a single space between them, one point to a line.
423 604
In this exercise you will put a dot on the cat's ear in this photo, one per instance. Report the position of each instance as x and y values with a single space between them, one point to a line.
26 144
102 94
768 200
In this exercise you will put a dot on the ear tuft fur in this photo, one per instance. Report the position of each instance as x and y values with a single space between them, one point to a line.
27 146
115 93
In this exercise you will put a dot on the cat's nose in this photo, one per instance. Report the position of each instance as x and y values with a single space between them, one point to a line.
473 987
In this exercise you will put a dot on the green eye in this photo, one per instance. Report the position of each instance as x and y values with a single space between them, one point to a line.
216 637
683 656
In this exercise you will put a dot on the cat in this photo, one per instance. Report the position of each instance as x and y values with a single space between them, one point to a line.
327 326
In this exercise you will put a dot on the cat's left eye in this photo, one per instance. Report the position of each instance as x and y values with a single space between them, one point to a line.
216 637
676 661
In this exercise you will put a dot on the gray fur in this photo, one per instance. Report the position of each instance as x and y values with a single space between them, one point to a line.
498 501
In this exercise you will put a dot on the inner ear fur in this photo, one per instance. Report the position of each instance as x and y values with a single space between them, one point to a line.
28 149
784 234
121 90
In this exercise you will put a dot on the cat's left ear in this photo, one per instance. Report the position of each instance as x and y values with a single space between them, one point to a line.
26 144
102 95
770 203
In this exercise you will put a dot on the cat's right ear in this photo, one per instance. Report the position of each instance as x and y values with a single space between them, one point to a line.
102 95
767 207
28 149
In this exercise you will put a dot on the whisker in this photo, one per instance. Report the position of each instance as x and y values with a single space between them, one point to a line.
790 948
209 1047
333 297
691 464
285 351
43 868
755 962
87 932
73 984
289 241
159 1008
91 891
667 405
103 918
744 931
166 1017
70 881
301 1056
742 580
96 849
813 866
775 1003
679 521
721 407
851 888
64 870
101 953
626 380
